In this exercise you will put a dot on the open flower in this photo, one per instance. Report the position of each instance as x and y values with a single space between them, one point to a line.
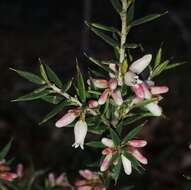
80 131
91 181
132 147
110 89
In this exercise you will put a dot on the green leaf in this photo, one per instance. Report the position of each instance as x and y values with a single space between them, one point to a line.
36 94
52 99
158 70
52 76
130 13
117 170
132 46
80 85
133 133
43 73
5 150
58 108
9 184
146 19
68 85
95 144
116 5
29 76
104 27
171 66
99 63
158 57
115 137
103 36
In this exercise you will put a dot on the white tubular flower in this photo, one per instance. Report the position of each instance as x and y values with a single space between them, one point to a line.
68 118
80 131
107 142
126 165
154 108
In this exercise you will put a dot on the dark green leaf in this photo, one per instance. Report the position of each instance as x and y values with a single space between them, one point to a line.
95 144
36 94
103 36
132 46
29 76
104 27
115 137
55 111
9 184
68 85
117 170
52 76
80 85
52 99
130 13
171 66
116 5
43 73
158 57
133 133
146 19
5 150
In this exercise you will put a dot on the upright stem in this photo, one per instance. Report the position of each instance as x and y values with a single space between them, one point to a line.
124 32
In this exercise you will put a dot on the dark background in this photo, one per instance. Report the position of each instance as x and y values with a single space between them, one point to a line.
54 31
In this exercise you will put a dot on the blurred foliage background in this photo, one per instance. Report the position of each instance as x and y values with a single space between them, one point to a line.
55 32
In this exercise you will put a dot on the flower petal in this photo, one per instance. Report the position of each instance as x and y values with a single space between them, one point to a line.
126 165
130 78
93 103
80 131
105 163
116 95
66 119
139 91
103 97
155 90
139 65
107 142
87 174
112 84
154 108
139 156
137 143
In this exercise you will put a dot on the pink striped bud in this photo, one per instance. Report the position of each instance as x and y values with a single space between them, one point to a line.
112 84
100 83
137 143
105 163
138 156
87 174
155 90
116 95
103 97
68 118
93 104
126 165
80 131
107 142
139 91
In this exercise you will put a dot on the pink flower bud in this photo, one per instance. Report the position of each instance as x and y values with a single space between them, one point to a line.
87 174
107 151
80 131
92 104
126 165
155 90
9 176
19 170
116 95
100 83
105 163
103 97
112 84
68 118
107 142
139 156
137 143
139 91
140 65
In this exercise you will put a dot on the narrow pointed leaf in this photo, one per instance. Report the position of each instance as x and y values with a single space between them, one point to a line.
36 94
5 150
80 85
130 13
117 170
52 99
115 137
146 19
52 76
158 57
58 108
29 76
43 73
95 144
171 66
68 85
103 36
116 5
133 133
